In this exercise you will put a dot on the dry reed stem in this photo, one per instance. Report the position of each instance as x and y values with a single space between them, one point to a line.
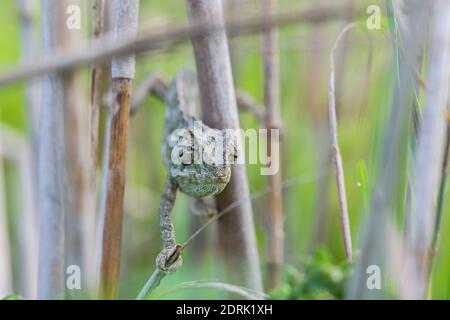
236 234
150 40
272 119
337 159
112 232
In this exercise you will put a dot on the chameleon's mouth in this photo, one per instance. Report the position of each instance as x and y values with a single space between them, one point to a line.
207 182
223 173
223 176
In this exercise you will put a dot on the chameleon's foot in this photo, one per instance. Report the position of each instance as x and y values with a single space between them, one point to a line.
169 259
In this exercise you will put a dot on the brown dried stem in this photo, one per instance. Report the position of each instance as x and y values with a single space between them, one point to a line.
272 118
112 232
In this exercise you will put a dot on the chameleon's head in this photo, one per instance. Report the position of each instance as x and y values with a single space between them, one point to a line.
201 161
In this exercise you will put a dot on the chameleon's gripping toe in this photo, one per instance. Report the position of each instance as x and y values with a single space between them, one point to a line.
169 259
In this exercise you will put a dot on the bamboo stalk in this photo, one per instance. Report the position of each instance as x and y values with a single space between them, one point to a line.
28 165
29 51
272 120
51 167
112 232
430 147
236 234
76 150
123 71
151 40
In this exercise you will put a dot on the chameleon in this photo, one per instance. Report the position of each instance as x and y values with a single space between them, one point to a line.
198 158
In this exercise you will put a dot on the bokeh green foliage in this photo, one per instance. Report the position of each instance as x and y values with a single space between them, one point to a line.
319 278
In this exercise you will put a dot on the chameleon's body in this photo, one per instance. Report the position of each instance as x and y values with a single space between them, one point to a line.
189 146
189 151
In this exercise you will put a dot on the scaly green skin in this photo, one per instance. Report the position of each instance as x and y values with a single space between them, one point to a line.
189 153
199 174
